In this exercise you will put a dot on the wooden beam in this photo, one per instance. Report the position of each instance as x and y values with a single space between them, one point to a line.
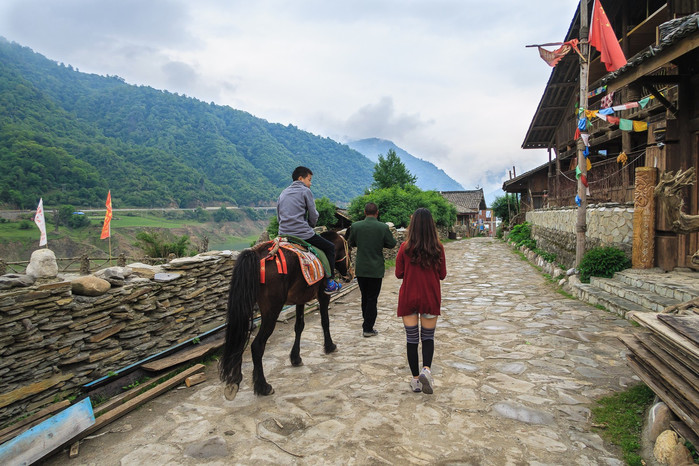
26 423
666 103
188 354
39 441
671 53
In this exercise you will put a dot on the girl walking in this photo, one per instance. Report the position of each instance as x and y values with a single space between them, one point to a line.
421 265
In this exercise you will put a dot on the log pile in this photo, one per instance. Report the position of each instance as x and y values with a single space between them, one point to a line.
666 358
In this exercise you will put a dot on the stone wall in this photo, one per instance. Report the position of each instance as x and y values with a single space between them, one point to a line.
53 340
607 225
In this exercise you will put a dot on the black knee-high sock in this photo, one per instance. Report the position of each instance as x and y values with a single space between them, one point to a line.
427 337
412 359
411 334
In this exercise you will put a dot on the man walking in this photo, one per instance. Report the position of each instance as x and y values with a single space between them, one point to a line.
370 237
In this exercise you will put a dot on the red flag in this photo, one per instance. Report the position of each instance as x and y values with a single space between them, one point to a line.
106 232
552 58
603 39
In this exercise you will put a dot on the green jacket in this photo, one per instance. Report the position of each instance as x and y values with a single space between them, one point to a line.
370 236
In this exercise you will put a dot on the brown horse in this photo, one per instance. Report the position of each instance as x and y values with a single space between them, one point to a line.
277 290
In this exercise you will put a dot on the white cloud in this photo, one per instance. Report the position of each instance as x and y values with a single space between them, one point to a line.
450 81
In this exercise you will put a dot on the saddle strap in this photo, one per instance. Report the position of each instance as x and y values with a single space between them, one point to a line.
279 259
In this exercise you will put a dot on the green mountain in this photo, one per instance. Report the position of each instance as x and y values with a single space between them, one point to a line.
69 137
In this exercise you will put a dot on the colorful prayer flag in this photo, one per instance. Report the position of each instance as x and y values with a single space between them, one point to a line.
552 58
607 100
602 38
41 222
640 126
625 125
106 232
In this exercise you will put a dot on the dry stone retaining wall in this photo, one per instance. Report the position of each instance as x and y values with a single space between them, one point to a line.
53 341
607 225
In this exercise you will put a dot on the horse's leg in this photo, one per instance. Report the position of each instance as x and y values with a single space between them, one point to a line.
257 348
324 302
295 355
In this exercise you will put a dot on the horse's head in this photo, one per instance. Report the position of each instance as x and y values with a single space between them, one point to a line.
343 262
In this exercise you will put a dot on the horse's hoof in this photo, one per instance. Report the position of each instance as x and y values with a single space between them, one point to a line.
330 349
265 390
297 363
231 391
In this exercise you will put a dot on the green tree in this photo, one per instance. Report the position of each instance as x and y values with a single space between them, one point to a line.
154 245
396 205
326 212
505 207
390 171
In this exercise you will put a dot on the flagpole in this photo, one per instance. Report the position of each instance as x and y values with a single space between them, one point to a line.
581 224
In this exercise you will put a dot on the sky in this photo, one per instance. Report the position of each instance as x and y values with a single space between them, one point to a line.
449 81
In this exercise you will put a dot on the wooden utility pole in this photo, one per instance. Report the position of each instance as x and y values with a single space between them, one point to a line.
581 224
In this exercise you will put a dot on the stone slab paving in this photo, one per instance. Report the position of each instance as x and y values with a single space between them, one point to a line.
517 367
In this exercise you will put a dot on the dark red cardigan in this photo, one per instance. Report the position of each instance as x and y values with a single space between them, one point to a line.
420 291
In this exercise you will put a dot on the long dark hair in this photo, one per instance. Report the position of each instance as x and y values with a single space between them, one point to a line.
422 243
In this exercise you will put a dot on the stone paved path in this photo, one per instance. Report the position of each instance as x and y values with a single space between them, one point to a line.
516 369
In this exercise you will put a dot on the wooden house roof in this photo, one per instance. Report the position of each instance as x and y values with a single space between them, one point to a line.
466 202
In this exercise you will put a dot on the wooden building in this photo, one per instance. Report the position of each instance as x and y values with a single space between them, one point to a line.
660 40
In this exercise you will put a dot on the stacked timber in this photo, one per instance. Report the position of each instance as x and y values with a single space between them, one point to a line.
666 357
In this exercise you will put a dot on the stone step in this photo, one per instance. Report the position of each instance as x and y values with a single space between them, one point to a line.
676 285
596 296
649 300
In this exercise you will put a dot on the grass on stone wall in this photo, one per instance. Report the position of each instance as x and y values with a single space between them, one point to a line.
620 417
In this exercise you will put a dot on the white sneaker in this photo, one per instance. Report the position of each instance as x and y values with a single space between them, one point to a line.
426 381
415 385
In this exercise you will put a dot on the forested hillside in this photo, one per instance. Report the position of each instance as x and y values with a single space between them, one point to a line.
69 137
429 177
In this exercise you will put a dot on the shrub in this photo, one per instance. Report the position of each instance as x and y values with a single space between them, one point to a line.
25 225
602 262
547 256
521 235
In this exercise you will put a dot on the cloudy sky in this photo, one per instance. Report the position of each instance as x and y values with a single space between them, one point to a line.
449 81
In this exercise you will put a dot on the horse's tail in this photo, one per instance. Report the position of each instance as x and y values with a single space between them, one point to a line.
242 296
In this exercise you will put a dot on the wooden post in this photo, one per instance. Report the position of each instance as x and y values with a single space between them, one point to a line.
581 224
3 267
643 248
121 261
84 265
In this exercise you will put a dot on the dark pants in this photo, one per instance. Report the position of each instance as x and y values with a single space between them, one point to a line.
327 247
370 288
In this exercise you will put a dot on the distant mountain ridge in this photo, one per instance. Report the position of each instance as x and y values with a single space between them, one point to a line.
429 177
69 137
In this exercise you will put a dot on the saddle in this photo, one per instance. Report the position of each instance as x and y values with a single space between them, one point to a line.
314 263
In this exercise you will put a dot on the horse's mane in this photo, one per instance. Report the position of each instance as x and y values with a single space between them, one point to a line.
330 235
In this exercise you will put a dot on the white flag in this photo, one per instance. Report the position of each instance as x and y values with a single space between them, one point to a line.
40 222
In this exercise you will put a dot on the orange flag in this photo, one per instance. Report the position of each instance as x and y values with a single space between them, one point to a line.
603 39
106 232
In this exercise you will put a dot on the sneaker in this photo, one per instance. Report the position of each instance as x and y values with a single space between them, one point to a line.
415 385
426 381
370 333
332 287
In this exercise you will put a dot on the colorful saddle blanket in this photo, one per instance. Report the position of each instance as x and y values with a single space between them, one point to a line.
312 266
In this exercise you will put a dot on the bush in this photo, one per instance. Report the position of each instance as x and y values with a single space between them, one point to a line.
521 235
155 246
25 225
499 232
547 256
602 262
226 215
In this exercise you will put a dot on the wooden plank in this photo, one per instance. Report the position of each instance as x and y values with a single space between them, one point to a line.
684 432
662 393
14 429
195 379
685 325
670 361
650 320
687 360
32 389
674 379
74 450
188 354
40 440
125 408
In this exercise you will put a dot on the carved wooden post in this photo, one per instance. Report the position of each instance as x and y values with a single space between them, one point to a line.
121 260
643 254
84 265
3 267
